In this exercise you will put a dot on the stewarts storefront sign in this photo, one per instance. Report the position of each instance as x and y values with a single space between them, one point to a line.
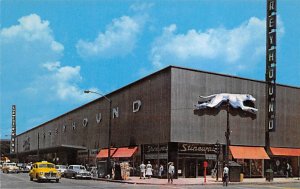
196 148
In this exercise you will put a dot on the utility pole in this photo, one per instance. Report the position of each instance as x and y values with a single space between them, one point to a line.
227 134
217 150
38 146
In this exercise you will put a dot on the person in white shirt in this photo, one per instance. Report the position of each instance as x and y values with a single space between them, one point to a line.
225 175
142 170
171 171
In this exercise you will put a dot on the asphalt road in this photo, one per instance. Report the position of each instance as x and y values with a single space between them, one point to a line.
21 181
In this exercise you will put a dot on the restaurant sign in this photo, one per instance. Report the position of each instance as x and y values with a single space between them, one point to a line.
196 148
156 151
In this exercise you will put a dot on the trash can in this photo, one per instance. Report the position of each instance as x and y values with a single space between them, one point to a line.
241 177
234 171
269 175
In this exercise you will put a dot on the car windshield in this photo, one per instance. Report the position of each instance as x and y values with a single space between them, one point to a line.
46 166
61 167
79 167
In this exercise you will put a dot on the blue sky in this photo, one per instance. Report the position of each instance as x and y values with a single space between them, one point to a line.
52 50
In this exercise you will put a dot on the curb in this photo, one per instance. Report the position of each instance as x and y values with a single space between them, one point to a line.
210 183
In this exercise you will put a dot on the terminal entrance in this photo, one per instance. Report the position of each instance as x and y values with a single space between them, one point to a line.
190 168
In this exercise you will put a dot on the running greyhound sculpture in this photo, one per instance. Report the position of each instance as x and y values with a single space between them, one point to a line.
235 100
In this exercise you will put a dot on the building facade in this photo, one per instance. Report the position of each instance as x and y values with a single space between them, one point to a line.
157 115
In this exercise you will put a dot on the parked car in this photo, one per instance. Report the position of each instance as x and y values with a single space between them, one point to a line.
44 171
23 168
10 168
61 169
29 165
77 171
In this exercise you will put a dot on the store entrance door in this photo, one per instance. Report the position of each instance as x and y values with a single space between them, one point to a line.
190 168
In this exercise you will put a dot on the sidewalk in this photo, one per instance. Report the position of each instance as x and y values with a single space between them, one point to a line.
200 181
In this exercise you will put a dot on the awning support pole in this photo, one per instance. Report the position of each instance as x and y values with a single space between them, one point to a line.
298 168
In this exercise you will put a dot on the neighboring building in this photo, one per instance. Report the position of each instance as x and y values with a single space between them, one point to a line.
157 115
4 149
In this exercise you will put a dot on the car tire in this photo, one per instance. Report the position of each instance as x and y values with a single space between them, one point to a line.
57 180
31 179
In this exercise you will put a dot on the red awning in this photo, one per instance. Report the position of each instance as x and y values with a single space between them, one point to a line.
243 152
104 153
285 151
125 152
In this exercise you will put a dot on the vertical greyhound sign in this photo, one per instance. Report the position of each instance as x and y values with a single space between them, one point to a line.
271 65
13 129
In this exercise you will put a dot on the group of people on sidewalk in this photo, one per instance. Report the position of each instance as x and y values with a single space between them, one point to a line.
146 171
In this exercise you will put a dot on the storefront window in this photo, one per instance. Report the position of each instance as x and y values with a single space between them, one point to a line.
251 168
157 155
279 166
256 168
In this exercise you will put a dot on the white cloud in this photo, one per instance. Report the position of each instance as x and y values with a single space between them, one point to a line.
31 29
230 46
51 65
119 39
24 48
30 56
60 82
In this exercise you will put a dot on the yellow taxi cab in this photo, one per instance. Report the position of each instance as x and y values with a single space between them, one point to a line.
44 171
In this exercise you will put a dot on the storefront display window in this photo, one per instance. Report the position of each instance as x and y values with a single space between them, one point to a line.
157 155
279 166
252 168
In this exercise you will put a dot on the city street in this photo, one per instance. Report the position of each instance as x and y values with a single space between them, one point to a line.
9 181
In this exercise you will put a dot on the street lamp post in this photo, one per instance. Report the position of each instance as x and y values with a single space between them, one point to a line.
109 130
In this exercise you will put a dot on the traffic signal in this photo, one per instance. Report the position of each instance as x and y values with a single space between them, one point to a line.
217 148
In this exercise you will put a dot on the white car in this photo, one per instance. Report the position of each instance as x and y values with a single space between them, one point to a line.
10 168
77 171
61 169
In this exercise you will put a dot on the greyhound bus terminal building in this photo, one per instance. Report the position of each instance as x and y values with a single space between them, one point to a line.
154 119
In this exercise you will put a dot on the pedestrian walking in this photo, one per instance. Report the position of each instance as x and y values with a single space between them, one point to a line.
142 170
149 170
171 171
225 175
118 175
161 170
288 169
